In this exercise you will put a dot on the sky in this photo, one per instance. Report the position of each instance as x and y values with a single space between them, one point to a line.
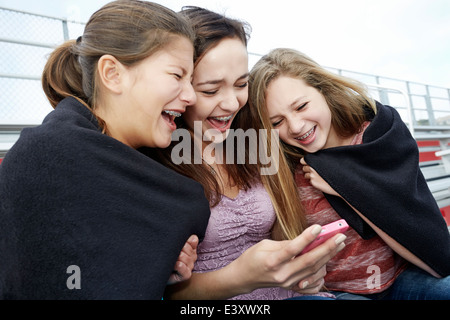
402 39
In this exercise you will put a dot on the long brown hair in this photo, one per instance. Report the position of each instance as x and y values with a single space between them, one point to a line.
210 28
347 99
129 30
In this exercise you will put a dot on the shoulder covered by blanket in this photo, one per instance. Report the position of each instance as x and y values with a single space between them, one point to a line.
382 180
70 195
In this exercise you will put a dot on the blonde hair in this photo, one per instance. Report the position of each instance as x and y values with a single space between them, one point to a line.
347 99
129 30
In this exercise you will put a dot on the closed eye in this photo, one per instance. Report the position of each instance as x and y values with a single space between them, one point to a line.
210 93
276 123
302 106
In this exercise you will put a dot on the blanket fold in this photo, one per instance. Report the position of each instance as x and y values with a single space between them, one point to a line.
381 178
72 196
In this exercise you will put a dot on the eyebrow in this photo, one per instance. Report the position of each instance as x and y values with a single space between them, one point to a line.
181 67
222 80
296 102
292 105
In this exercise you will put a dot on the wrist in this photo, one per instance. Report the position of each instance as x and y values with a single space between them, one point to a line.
238 279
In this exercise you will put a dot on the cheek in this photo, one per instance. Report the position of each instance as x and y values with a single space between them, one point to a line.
202 108
283 133
324 119
242 98
194 113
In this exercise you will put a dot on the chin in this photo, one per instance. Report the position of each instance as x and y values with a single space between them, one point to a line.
215 136
163 143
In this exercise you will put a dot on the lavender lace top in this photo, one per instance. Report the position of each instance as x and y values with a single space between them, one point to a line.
234 226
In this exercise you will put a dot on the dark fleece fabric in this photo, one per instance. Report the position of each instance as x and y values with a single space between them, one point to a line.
70 195
382 180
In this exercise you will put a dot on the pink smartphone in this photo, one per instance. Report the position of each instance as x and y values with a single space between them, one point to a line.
327 232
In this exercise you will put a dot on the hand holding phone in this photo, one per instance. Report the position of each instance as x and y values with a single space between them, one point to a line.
327 232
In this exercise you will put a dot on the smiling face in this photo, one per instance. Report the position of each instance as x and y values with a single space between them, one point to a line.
162 90
152 93
301 114
220 83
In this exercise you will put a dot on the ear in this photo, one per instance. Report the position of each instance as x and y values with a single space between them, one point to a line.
111 72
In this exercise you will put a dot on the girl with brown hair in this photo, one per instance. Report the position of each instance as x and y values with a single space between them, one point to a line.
84 214
252 243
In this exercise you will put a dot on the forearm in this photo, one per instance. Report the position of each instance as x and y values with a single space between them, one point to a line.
214 285
266 264
400 250
397 247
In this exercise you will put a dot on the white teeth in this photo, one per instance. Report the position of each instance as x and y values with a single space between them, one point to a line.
306 135
173 113
223 118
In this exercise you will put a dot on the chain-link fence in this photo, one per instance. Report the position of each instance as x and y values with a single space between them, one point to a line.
26 39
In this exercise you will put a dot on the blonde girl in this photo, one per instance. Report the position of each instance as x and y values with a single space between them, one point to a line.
354 158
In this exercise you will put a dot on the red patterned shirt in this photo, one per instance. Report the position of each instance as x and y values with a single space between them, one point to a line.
363 266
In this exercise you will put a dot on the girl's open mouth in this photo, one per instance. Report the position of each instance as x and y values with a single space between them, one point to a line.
170 116
308 137
221 123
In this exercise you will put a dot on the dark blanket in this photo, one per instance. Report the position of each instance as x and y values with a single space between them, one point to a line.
382 180
70 195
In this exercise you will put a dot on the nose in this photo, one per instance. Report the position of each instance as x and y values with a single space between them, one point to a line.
295 125
188 94
229 102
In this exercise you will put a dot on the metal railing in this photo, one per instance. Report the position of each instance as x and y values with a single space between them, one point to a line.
419 104
430 105
26 39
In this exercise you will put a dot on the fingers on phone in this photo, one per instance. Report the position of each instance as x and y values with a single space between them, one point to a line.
335 243
298 244
339 241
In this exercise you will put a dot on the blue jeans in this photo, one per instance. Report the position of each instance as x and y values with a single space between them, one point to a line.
411 284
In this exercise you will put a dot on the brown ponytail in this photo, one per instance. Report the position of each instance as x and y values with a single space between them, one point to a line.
62 75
